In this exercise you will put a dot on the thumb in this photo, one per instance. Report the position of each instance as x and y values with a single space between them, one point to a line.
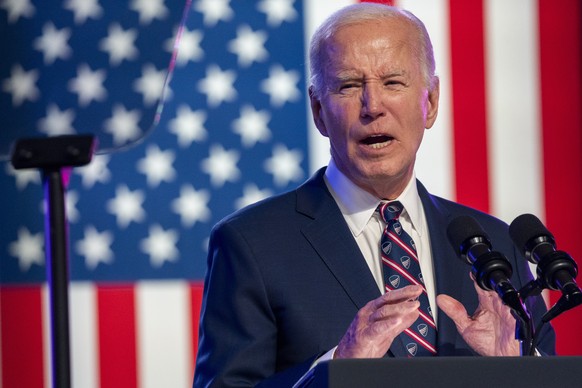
454 310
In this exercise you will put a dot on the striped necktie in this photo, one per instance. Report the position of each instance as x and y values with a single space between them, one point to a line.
401 268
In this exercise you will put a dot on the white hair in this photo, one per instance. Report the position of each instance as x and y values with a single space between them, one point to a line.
359 13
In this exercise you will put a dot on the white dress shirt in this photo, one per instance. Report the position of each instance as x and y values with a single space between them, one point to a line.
359 210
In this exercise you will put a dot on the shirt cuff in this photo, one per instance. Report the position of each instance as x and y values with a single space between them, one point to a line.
308 376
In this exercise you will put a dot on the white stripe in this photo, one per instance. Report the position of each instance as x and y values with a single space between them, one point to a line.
164 334
434 163
420 340
401 244
400 270
513 101
427 318
84 338
314 13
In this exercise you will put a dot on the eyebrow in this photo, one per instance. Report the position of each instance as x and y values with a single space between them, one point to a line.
347 76
352 76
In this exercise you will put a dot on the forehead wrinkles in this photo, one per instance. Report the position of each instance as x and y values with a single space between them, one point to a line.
345 62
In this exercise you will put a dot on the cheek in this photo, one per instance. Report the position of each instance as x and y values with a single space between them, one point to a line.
341 117
415 140
339 142
335 121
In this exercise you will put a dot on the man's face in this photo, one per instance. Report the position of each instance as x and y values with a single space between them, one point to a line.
376 104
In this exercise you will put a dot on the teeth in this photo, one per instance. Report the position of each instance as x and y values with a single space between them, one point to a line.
379 145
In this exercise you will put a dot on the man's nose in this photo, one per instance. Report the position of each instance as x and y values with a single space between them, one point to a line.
372 102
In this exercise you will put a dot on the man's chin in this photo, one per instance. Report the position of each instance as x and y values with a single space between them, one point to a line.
386 184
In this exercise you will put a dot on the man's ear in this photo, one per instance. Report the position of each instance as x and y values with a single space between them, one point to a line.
316 112
433 102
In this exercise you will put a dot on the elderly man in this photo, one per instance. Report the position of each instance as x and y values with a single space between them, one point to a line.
349 265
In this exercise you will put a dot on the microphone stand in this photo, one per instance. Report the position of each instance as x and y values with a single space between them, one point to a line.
570 298
491 271
51 155
524 329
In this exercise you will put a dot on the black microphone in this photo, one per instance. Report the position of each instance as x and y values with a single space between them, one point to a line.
492 272
491 269
556 270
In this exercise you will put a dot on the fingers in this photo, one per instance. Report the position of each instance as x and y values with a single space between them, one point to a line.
397 303
402 304
454 310
377 324
405 311
490 330
400 295
490 301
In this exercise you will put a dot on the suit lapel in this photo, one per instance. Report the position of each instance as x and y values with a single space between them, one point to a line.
331 238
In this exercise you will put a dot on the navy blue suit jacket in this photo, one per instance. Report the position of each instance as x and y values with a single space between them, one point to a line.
286 277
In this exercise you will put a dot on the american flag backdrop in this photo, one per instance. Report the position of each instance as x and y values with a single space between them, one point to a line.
236 128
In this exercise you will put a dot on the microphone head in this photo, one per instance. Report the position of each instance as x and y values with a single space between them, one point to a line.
525 228
463 229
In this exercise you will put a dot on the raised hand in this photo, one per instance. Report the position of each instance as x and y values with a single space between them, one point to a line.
375 326
490 331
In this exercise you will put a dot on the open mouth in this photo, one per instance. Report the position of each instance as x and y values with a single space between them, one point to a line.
377 141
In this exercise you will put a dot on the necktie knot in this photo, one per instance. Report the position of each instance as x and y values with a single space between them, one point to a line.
390 211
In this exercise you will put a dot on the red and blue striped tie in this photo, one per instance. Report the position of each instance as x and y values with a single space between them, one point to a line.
401 268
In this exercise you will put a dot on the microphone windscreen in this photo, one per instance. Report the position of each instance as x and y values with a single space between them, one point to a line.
524 228
463 228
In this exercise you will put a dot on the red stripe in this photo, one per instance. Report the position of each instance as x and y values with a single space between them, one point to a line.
397 268
196 301
420 340
427 318
469 103
21 335
402 245
561 99
117 336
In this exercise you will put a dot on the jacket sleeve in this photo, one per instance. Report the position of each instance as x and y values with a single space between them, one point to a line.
238 329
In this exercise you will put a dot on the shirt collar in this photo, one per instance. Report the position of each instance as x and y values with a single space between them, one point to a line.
358 206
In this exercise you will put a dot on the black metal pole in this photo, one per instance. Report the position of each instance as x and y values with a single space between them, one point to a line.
56 233
51 155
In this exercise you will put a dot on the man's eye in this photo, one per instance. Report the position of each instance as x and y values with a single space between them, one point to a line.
348 86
